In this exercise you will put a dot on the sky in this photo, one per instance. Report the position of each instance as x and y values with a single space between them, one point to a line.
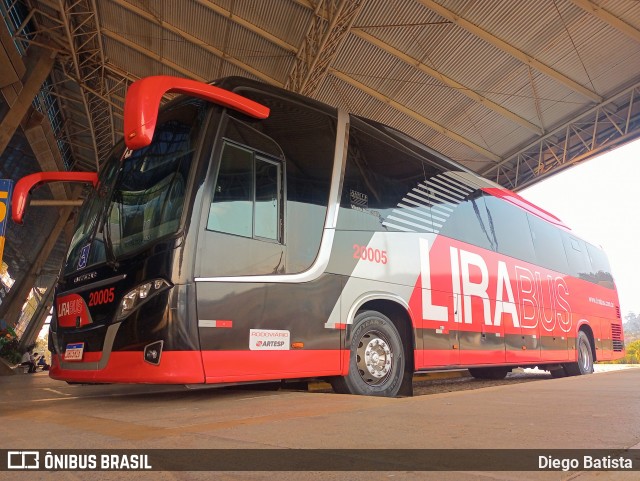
600 201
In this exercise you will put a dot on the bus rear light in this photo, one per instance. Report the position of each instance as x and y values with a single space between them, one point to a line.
139 295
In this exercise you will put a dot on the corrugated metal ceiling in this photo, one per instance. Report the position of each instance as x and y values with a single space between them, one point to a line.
208 39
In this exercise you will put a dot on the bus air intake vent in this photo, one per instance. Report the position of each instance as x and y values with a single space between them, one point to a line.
618 312
616 337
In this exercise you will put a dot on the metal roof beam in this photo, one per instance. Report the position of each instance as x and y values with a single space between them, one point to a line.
190 38
152 55
248 25
448 81
510 49
415 115
327 31
608 18
603 127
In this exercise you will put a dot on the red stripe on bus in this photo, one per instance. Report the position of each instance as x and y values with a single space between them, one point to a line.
448 357
236 366
224 323
176 367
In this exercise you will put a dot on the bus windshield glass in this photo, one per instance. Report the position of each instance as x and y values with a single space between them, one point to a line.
139 199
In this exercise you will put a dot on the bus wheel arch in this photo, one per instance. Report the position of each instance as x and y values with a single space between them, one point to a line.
381 328
586 353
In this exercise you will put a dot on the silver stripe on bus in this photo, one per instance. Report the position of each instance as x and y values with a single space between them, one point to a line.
418 197
436 189
371 296
436 207
465 191
408 222
389 224
424 221
404 199
414 210
441 219
326 244
450 177
457 183
418 194
468 179
207 323
403 212
437 197
454 196
445 182
430 202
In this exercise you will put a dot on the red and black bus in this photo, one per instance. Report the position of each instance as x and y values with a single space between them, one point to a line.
246 233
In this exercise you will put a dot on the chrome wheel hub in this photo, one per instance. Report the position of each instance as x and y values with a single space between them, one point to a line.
374 357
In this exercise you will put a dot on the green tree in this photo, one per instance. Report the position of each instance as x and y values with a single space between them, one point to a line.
631 327
632 355
633 352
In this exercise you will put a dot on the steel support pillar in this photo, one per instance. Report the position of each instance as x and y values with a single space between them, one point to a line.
36 322
11 310
39 64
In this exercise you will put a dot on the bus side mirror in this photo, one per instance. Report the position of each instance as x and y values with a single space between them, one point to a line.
24 186
143 101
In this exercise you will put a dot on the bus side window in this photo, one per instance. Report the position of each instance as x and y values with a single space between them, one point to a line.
512 234
576 251
468 221
601 272
547 243
384 185
231 206
306 137
246 197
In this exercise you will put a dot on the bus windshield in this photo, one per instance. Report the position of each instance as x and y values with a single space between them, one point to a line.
140 195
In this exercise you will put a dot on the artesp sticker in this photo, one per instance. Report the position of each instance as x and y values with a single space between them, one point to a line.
269 340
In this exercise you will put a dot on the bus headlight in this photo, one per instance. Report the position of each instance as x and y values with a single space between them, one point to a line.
139 295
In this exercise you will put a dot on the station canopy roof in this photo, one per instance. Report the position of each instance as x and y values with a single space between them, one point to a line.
513 90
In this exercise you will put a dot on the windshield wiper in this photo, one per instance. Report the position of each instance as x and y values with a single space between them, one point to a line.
106 196
106 238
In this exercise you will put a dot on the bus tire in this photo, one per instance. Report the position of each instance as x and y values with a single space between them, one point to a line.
494 373
377 358
585 357
558 373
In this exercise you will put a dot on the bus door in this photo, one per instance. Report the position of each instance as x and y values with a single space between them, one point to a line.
240 236
264 211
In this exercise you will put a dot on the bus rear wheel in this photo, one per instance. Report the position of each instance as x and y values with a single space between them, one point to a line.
585 357
377 358
494 373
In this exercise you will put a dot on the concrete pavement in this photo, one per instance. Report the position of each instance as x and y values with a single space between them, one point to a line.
597 411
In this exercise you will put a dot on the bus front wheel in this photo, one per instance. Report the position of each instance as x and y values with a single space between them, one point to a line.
377 358
585 357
